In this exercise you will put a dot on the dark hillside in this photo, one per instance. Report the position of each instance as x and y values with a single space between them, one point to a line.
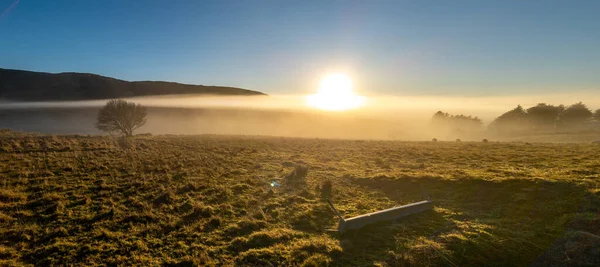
22 85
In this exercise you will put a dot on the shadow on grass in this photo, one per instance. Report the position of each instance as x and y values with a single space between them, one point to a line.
474 222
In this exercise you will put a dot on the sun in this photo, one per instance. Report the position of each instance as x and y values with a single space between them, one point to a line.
335 94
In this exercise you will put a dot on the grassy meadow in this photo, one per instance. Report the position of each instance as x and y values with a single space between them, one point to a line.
207 200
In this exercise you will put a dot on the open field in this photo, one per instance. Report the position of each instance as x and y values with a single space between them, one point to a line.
206 200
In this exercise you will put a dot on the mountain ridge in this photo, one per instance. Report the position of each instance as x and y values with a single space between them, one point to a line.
24 85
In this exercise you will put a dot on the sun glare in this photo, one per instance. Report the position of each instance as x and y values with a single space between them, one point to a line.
335 94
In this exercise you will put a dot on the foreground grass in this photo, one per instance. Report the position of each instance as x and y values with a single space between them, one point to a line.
206 200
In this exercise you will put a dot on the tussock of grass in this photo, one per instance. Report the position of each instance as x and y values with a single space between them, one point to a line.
265 238
262 257
199 211
300 252
5 218
244 227
317 260
326 189
12 196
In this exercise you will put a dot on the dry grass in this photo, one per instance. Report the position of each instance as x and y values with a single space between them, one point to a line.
207 200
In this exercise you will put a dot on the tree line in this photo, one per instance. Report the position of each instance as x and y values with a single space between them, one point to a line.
456 123
546 118
540 118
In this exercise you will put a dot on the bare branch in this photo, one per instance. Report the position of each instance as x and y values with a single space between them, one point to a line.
121 116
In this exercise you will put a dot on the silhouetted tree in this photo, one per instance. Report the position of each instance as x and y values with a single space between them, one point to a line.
440 115
121 116
544 116
575 115
457 123
597 115
512 121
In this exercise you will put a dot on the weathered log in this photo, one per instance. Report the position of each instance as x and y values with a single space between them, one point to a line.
382 215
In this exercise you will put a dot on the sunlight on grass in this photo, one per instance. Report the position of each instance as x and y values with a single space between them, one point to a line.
208 200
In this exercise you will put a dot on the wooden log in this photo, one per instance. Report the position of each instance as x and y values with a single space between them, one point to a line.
383 215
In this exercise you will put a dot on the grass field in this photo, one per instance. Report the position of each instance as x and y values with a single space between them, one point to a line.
207 200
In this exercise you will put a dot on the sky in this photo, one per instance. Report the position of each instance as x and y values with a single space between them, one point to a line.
440 48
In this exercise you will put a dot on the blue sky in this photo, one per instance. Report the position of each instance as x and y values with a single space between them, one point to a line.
457 48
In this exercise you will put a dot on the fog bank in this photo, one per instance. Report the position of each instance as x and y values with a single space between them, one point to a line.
382 117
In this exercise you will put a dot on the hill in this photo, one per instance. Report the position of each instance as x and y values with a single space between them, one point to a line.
20 85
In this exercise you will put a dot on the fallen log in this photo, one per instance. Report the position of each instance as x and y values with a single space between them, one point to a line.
382 215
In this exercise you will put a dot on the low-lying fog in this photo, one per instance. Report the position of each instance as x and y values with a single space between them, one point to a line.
382 117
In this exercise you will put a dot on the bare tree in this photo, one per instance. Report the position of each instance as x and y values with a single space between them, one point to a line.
119 115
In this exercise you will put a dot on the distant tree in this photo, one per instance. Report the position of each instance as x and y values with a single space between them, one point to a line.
456 123
514 120
597 115
544 116
575 115
121 116
440 119
440 115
